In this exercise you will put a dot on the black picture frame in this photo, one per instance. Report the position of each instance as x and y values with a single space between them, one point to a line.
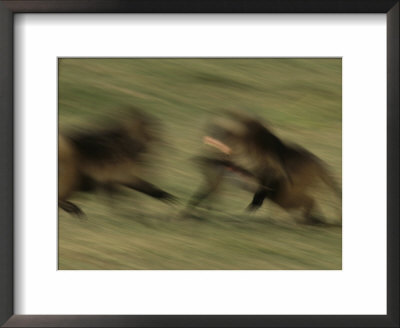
10 7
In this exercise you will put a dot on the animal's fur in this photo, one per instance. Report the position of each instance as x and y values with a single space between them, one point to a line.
106 159
281 172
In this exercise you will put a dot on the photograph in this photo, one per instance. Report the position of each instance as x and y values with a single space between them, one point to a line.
211 164
199 163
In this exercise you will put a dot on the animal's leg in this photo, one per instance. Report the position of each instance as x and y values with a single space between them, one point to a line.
309 207
201 194
258 199
210 187
266 190
149 189
87 184
213 173
71 208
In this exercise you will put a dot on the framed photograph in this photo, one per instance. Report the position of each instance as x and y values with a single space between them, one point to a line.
203 164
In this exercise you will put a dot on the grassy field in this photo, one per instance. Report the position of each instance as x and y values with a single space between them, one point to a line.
300 98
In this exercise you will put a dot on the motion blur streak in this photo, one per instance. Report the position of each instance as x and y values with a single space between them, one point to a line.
176 142
282 172
105 159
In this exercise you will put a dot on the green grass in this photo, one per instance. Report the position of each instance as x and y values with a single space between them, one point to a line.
300 98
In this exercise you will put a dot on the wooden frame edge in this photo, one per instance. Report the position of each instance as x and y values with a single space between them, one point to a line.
9 8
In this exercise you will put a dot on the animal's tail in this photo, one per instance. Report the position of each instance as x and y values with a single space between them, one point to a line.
327 177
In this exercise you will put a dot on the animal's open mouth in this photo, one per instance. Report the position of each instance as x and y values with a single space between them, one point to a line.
244 175
230 166
217 144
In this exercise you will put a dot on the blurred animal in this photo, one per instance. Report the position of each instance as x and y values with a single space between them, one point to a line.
278 171
105 159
